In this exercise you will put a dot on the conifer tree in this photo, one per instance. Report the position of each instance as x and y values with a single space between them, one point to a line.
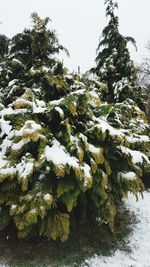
31 63
62 151
113 63
3 45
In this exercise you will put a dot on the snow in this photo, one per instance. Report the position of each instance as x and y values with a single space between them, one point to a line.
12 82
94 99
94 94
69 77
5 127
4 146
83 138
40 103
58 155
6 111
16 61
102 70
24 169
45 69
94 149
137 138
19 145
47 197
29 127
3 163
138 240
86 169
38 109
78 92
10 170
13 206
60 111
57 102
137 157
10 111
104 126
20 102
127 175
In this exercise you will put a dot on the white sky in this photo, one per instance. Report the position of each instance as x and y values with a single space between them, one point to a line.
79 24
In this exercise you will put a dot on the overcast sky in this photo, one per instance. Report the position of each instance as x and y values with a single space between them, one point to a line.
79 24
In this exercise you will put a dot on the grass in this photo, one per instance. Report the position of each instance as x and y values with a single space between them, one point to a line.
84 242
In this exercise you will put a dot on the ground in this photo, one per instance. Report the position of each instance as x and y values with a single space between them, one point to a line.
128 248
138 239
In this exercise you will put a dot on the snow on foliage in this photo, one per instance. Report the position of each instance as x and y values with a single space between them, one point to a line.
63 147
57 155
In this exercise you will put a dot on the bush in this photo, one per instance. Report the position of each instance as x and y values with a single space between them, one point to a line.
64 153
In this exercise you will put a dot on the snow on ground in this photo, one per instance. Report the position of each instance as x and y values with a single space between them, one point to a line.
139 239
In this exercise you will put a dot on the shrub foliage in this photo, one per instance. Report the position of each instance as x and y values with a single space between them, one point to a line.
64 153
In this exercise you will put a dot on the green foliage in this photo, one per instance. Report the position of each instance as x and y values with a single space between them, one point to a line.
113 59
63 152
56 226
4 218
3 45
30 62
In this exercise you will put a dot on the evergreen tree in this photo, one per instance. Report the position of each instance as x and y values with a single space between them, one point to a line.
113 64
63 153
31 63
3 45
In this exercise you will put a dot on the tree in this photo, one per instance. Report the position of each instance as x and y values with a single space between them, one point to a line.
64 155
113 64
144 68
31 62
3 45
144 77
